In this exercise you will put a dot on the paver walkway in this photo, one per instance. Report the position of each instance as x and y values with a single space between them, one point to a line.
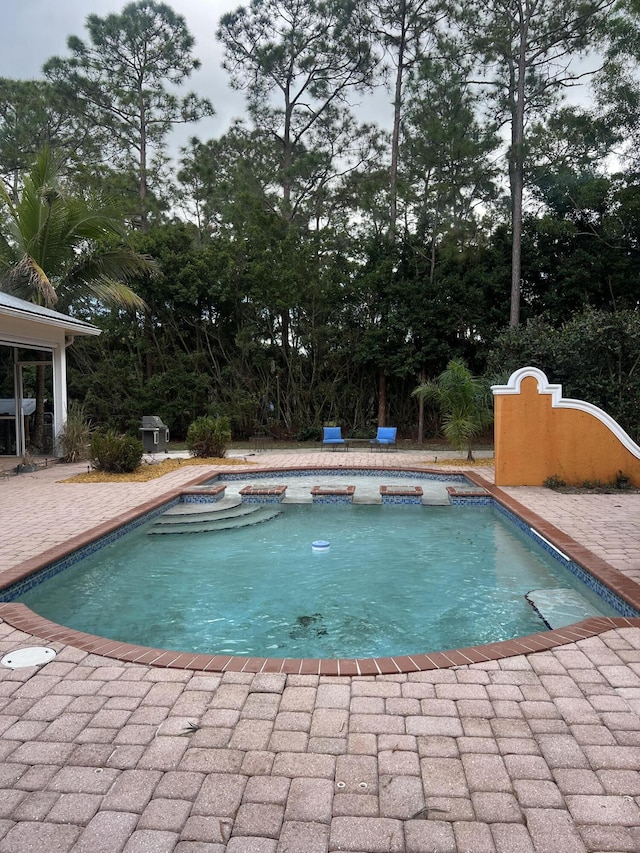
531 754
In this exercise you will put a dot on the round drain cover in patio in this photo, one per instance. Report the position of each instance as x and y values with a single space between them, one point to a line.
33 656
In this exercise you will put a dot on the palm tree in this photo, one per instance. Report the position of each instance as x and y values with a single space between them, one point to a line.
464 402
58 251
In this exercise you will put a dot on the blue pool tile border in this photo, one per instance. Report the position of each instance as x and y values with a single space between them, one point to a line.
332 499
471 500
200 499
11 593
600 589
340 472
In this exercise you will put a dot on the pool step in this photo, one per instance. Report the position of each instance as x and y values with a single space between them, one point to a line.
203 512
560 607
195 507
255 515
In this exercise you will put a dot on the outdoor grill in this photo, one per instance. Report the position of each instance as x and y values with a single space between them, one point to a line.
155 434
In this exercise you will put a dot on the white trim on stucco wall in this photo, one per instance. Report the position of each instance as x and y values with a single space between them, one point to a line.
560 402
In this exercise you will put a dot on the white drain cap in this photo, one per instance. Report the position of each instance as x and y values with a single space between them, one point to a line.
32 656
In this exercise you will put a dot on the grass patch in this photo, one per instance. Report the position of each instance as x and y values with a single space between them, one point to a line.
152 470
149 470
464 463
619 485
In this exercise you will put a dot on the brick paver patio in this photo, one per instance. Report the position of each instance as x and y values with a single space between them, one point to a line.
529 754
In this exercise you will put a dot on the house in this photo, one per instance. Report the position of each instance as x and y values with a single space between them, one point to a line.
33 365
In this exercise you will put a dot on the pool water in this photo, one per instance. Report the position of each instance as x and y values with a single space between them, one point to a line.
394 581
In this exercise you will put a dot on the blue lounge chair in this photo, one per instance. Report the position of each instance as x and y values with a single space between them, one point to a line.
386 438
333 438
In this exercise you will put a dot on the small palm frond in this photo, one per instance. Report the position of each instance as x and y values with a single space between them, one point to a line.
87 222
115 294
27 280
7 253
104 276
120 263
464 403
458 427
107 291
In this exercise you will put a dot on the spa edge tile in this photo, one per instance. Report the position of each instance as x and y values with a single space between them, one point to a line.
427 662
254 664
134 653
217 663
147 656
475 654
185 661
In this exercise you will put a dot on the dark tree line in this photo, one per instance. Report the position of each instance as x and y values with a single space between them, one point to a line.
312 267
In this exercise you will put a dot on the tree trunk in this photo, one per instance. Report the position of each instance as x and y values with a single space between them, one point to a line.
144 217
395 136
382 399
421 410
516 173
432 261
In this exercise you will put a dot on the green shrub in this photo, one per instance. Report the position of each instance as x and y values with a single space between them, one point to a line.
308 433
116 454
554 482
75 436
594 485
209 437
622 481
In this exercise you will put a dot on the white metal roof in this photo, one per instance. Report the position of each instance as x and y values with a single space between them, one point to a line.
11 306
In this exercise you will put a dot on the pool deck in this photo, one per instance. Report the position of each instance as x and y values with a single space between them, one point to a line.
530 753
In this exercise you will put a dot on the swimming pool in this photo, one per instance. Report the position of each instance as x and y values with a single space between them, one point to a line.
372 595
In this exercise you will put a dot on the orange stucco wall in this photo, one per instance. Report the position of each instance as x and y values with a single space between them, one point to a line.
534 441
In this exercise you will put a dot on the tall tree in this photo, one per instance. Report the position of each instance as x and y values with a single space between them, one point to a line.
123 78
404 29
299 61
448 176
527 50
34 114
407 31
447 156
617 85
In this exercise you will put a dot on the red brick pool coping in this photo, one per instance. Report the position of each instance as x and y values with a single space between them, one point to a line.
22 618
263 491
400 492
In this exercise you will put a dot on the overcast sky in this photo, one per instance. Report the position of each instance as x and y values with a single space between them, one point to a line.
35 30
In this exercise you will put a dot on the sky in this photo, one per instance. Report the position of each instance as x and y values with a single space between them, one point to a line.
35 30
